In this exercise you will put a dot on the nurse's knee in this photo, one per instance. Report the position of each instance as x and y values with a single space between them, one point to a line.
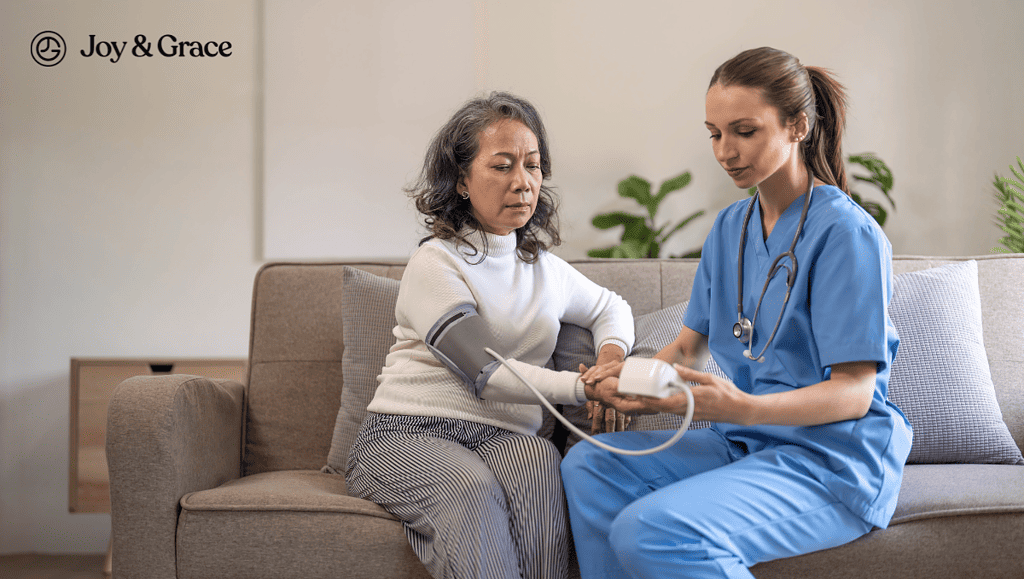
642 531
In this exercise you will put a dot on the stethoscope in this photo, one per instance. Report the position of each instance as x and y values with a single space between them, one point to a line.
744 328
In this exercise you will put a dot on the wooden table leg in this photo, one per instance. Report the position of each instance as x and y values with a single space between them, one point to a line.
108 561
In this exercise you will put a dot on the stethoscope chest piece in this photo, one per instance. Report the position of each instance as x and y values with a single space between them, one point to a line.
742 330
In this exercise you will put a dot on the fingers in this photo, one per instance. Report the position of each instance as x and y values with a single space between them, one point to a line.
609 420
621 421
597 419
599 372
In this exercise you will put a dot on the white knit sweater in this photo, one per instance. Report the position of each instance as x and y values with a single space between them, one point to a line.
523 305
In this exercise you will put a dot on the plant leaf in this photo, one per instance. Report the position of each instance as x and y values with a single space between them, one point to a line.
609 220
1008 181
674 184
1010 215
632 249
681 224
634 187
606 252
879 174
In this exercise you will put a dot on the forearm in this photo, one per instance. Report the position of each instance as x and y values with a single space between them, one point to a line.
846 395
689 349
556 387
821 403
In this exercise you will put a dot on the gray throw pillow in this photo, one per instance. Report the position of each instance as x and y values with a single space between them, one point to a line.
368 318
940 378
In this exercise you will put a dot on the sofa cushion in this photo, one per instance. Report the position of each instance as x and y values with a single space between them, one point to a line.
948 490
368 318
940 378
289 524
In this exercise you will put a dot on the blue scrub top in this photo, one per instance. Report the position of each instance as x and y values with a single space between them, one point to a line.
837 312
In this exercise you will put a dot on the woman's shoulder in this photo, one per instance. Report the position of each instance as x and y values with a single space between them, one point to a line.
836 218
432 254
837 208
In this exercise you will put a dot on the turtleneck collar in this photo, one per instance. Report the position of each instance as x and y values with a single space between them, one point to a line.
495 246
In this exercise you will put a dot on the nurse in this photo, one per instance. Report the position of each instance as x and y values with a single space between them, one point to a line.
806 452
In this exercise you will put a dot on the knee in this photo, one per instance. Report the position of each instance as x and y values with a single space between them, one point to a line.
642 533
540 451
474 482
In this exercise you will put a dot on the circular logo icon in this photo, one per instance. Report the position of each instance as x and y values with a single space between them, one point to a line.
48 48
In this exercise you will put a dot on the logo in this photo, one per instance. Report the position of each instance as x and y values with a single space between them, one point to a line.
48 48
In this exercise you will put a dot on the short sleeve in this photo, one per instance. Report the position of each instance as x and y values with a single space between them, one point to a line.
850 288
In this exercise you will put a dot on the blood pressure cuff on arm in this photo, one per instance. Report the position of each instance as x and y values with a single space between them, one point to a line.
458 340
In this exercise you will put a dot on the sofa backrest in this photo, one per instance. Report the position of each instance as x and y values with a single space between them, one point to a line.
295 363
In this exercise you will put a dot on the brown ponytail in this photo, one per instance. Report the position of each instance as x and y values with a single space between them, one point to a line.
823 147
792 88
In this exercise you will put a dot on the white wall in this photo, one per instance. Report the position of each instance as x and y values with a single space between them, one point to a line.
132 210
934 92
128 199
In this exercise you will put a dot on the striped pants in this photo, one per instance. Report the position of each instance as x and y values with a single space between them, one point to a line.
477 501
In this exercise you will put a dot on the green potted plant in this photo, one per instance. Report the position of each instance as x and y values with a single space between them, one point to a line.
1010 216
642 236
878 175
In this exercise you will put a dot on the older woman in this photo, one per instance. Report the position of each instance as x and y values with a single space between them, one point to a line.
449 444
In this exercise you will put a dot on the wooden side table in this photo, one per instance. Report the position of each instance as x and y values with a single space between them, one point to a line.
92 383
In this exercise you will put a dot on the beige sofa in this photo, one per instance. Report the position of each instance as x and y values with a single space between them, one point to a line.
215 479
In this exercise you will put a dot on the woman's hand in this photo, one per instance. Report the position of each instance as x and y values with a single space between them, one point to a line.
606 392
600 371
604 417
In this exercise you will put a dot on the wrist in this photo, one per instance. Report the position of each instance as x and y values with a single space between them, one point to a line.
584 391
611 351
753 409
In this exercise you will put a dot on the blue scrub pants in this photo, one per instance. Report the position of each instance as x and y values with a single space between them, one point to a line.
703 508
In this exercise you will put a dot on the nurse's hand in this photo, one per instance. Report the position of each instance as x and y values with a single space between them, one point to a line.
714 398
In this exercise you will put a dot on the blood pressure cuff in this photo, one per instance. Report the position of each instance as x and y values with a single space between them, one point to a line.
458 340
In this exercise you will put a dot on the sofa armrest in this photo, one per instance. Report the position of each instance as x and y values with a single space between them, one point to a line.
166 436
